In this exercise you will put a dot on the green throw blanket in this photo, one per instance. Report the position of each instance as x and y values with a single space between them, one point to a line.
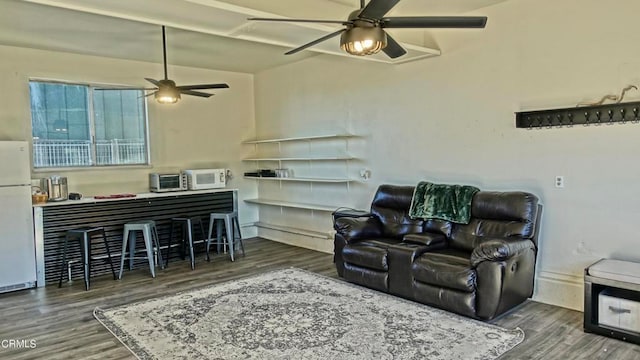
440 201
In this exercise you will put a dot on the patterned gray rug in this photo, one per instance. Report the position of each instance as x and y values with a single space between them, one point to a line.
295 314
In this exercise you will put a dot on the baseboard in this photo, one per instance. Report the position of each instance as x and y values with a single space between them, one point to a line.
299 240
249 230
560 290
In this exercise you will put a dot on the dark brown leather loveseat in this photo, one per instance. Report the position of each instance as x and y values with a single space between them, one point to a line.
480 269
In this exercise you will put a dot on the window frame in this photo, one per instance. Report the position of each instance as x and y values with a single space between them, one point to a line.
92 86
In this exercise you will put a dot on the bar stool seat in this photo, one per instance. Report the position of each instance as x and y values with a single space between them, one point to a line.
151 244
232 228
186 225
84 237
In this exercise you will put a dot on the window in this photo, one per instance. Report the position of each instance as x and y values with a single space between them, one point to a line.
79 125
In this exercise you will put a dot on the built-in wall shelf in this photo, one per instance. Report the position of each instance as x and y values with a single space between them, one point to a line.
299 138
294 205
324 159
314 158
301 179
294 230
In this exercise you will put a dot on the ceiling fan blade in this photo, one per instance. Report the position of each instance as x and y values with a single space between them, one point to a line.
393 49
435 22
376 9
203 86
196 93
154 82
343 22
146 95
326 37
124 88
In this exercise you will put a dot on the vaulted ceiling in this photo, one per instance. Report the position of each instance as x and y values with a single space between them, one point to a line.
211 34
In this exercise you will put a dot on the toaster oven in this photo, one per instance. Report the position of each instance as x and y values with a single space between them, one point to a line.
167 182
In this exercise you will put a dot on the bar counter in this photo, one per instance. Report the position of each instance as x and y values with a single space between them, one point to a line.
53 219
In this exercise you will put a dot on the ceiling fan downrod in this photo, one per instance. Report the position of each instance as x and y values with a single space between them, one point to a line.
164 53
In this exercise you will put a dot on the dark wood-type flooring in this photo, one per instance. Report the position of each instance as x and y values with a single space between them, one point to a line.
62 324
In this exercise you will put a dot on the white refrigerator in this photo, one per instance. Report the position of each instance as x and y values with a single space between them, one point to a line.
17 246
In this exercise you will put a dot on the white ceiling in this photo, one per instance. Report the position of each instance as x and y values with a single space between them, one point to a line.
202 33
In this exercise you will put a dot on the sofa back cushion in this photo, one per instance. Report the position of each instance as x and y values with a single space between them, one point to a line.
497 215
391 205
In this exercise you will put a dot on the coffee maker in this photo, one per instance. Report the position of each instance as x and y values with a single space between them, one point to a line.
56 188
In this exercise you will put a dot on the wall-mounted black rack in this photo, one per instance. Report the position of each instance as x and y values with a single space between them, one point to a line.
583 115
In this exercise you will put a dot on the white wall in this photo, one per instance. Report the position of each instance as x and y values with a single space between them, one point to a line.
451 119
195 133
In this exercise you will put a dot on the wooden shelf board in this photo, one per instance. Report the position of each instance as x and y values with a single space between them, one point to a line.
289 204
299 138
319 180
323 158
293 230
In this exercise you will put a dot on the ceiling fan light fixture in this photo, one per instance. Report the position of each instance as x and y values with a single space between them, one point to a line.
167 92
363 40
167 96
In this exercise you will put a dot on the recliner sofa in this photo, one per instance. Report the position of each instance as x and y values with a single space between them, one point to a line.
480 269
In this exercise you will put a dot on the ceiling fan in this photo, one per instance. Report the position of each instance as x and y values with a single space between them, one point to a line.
363 33
167 92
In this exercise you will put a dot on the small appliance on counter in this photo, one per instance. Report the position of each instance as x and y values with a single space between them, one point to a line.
75 196
262 173
201 179
167 182
56 187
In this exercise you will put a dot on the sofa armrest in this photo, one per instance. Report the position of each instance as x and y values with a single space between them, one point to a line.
427 239
499 250
353 229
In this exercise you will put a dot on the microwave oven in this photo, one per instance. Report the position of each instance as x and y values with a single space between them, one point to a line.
167 182
201 179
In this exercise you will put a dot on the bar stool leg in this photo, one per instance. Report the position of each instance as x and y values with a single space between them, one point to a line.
86 255
219 223
125 239
154 232
237 228
64 259
146 234
133 234
166 264
106 245
211 221
229 228
189 226
183 243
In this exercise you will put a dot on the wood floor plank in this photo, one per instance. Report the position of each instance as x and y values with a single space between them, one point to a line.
62 323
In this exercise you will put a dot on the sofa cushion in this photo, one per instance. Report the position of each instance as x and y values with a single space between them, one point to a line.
374 279
391 206
448 268
371 254
497 215
468 237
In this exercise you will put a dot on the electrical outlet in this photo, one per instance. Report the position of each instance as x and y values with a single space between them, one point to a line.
559 181
365 174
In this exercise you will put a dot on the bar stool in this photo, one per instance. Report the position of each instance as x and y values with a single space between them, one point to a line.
232 227
186 225
84 237
151 244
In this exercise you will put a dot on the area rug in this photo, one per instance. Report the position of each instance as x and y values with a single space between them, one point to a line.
295 314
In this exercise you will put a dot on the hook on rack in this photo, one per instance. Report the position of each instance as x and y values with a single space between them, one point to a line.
590 115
